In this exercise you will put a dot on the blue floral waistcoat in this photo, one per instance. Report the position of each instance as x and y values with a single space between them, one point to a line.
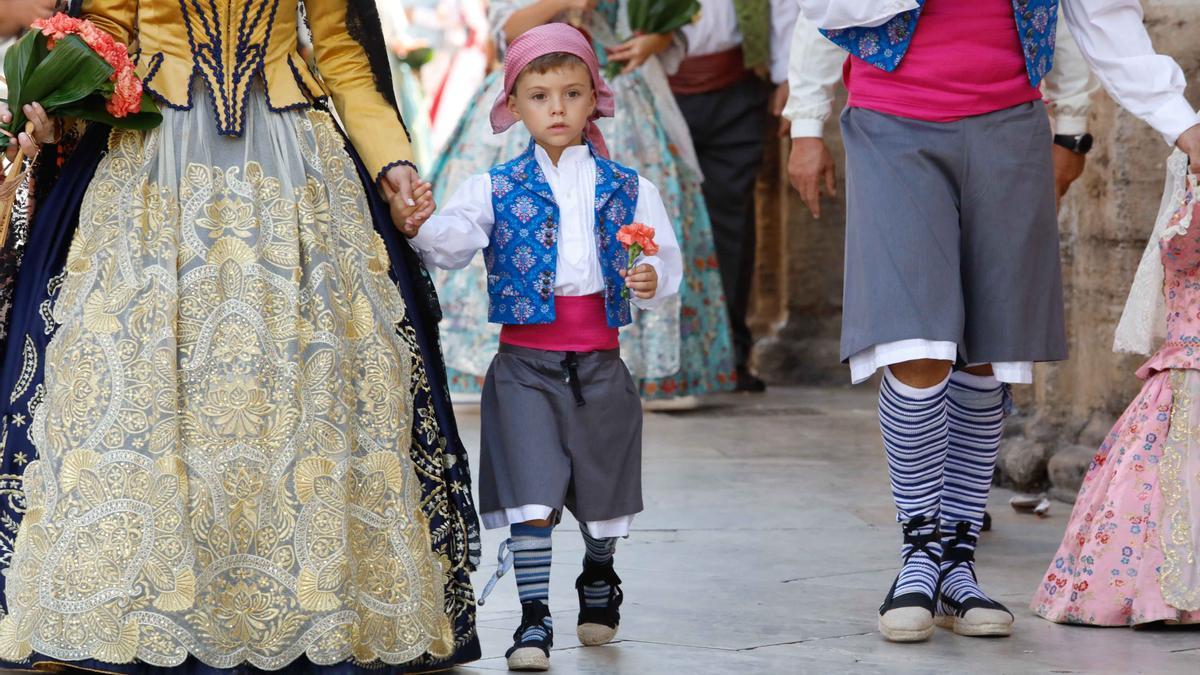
885 46
522 257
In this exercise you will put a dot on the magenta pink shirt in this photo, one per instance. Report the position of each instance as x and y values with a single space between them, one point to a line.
580 325
965 60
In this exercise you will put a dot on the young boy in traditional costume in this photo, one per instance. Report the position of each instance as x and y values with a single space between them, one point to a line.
561 418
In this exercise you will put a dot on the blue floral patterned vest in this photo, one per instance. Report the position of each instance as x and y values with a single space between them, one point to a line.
522 258
885 46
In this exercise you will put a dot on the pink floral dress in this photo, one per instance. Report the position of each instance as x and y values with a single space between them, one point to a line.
1130 553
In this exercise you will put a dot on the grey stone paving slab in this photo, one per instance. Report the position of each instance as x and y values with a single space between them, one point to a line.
768 542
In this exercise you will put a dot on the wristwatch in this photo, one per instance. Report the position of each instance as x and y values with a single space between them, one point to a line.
1081 144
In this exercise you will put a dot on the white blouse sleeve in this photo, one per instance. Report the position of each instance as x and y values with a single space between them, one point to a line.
1113 39
460 229
1069 85
814 71
669 262
835 14
783 19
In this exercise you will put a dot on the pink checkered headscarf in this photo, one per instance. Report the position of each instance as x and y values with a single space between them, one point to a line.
552 38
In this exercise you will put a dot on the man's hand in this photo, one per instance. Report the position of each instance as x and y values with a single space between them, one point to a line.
779 99
643 281
1189 142
809 164
1068 166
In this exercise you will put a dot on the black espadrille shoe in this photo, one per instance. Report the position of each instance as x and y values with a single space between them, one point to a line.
909 617
531 652
598 625
975 615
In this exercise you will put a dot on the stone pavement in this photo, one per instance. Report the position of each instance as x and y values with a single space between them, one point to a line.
768 543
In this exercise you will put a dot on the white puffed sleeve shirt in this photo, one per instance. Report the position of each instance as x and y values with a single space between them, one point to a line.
463 227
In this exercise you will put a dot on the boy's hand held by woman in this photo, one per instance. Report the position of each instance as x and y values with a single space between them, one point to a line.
410 213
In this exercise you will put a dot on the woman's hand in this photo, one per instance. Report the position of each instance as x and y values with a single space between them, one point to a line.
1189 142
410 199
638 49
45 130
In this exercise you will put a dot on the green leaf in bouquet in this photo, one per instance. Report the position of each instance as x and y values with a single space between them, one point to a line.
94 109
675 14
418 57
656 15
69 73
19 63
637 11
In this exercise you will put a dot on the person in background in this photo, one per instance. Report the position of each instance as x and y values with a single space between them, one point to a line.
734 74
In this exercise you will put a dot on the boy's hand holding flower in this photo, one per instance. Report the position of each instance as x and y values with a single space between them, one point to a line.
642 280
638 239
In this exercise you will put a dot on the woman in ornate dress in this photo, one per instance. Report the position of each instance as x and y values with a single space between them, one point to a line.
1130 555
224 372
683 350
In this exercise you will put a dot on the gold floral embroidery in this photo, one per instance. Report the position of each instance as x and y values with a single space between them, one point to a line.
224 444
1177 579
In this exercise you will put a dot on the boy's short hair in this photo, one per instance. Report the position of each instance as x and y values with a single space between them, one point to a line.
548 62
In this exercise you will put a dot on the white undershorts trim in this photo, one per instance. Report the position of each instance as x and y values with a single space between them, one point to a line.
864 364
601 529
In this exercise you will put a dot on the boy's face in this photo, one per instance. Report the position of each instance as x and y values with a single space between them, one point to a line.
555 105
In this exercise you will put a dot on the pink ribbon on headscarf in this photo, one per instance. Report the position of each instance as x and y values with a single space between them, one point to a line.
549 39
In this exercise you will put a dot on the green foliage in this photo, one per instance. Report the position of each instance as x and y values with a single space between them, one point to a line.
70 80
655 16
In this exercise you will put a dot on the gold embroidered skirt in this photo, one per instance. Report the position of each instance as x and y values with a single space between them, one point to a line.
223 442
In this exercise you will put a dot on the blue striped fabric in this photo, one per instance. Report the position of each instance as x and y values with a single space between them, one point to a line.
976 413
531 567
915 436
599 551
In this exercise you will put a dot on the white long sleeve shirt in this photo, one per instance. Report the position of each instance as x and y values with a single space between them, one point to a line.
815 68
463 227
1110 35
716 30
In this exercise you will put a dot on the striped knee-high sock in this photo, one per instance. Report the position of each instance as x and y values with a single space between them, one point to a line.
531 566
976 408
915 435
599 552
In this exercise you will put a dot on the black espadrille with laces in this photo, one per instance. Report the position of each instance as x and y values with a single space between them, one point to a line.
598 625
908 617
962 605
532 640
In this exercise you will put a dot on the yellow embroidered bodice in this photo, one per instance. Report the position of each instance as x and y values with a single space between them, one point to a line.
227 43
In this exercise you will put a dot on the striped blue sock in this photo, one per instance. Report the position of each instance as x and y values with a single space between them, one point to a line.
915 436
976 407
531 566
599 552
